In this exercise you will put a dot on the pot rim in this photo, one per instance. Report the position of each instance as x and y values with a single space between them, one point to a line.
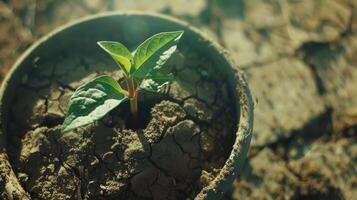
236 159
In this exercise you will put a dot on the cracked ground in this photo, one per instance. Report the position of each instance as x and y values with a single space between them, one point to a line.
184 141
299 60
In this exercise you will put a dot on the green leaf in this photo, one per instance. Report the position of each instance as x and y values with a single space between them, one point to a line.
92 101
154 52
155 81
119 53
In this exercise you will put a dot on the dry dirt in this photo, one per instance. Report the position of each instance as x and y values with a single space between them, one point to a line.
299 57
182 145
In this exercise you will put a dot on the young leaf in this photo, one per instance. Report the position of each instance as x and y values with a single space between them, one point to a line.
154 81
154 52
119 53
92 101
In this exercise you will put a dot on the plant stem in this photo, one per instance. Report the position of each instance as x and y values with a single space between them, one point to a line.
132 96
134 106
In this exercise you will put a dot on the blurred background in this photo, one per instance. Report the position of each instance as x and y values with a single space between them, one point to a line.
300 59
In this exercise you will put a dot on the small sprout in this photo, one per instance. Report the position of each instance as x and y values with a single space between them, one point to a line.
93 100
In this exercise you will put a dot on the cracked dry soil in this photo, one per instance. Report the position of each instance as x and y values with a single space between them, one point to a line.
187 137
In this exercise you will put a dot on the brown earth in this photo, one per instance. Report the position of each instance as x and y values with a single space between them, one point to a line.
299 57
182 145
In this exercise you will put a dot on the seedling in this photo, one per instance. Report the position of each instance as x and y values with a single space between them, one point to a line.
93 100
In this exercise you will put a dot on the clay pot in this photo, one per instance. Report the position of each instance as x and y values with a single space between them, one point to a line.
129 28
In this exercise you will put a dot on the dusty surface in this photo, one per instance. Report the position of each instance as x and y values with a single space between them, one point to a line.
326 170
299 57
11 45
173 157
279 81
265 167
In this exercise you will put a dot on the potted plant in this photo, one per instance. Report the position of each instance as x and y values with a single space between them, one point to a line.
189 140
